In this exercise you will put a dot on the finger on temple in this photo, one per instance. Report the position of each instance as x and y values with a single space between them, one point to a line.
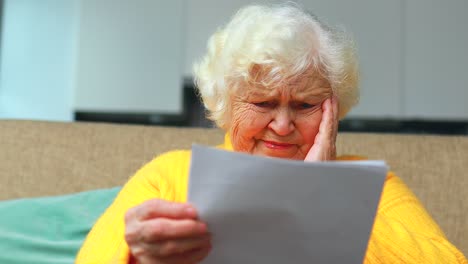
327 118
336 116
160 208
335 104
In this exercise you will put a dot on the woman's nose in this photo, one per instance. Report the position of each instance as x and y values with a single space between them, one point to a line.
282 122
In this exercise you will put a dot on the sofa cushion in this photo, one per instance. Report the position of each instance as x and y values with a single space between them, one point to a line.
49 229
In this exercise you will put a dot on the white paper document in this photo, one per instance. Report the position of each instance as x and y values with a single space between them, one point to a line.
276 211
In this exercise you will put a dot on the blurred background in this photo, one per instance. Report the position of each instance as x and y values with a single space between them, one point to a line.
130 61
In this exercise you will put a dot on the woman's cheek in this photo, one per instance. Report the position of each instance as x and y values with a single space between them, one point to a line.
309 124
238 127
247 125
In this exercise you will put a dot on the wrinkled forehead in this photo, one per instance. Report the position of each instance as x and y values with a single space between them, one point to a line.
309 83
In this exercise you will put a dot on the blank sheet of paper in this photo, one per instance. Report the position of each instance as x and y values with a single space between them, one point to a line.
268 210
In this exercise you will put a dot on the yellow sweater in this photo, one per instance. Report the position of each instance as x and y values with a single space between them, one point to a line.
403 231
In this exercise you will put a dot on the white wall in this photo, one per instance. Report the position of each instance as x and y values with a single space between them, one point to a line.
37 59
203 18
130 56
436 59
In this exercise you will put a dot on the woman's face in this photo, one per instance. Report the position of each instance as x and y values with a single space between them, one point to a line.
280 122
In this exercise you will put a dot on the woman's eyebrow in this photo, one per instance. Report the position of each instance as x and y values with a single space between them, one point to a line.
315 93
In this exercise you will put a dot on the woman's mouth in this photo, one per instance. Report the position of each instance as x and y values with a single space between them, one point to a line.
277 145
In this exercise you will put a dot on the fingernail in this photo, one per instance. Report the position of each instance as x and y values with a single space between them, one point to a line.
190 211
202 227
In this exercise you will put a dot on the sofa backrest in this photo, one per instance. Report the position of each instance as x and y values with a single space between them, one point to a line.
50 158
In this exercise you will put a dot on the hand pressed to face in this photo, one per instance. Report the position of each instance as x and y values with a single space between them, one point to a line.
324 147
278 122
161 232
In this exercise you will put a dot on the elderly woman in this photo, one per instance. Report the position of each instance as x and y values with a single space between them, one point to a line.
277 81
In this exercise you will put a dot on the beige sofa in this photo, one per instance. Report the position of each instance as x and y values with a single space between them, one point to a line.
49 158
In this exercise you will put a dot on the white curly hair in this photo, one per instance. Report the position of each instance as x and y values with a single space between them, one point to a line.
284 41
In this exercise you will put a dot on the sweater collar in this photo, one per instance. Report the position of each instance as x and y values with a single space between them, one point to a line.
227 142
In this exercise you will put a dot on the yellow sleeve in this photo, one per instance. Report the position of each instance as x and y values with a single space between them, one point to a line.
404 232
105 242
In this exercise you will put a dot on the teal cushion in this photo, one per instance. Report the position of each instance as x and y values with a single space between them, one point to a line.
49 229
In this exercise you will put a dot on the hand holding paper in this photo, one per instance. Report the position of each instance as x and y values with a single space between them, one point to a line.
265 210
159 231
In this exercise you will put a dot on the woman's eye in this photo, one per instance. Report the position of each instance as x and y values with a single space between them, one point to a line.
305 106
264 104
